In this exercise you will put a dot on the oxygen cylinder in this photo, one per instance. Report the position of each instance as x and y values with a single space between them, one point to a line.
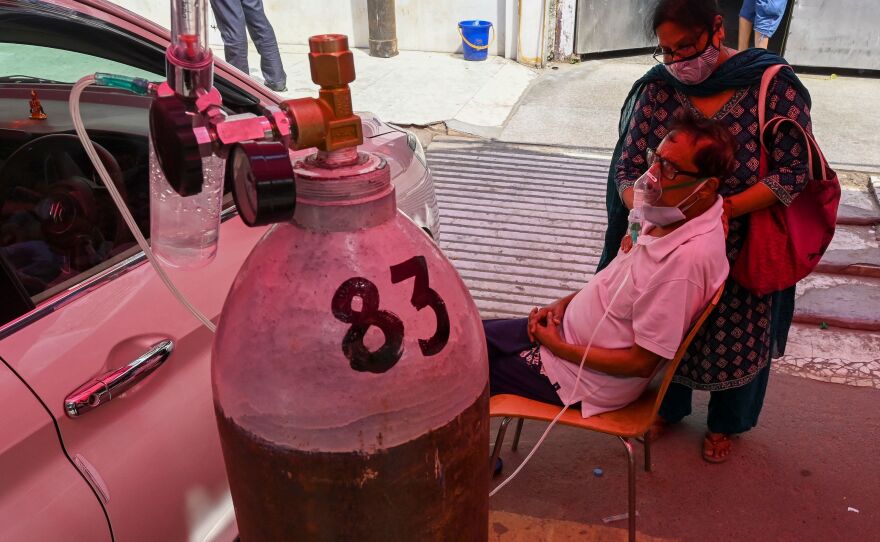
350 373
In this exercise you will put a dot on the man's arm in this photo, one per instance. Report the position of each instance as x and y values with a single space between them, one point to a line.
633 361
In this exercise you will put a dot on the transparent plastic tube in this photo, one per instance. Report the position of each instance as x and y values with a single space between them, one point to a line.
189 32
75 94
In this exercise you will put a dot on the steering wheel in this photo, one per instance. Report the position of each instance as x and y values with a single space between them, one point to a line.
46 177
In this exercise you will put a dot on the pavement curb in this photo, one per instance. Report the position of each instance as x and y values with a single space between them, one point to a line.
874 188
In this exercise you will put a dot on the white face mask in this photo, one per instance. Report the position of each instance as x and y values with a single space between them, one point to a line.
663 215
696 70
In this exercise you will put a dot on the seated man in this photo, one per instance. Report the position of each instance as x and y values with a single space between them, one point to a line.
652 292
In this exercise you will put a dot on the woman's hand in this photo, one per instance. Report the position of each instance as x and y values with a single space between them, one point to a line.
726 214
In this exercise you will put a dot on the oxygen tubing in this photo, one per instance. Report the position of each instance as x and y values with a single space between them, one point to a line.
75 94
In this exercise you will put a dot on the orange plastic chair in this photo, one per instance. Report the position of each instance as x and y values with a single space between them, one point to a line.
629 422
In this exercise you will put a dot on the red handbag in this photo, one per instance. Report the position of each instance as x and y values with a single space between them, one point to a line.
785 243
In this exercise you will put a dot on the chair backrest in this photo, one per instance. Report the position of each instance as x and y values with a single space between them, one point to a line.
672 366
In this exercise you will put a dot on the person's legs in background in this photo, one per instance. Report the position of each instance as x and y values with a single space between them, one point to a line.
263 36
768 15
231 22
761 40
746 18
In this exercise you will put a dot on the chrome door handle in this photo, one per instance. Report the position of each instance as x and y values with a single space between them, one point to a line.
95 393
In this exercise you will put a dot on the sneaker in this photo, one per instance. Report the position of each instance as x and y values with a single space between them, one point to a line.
277 88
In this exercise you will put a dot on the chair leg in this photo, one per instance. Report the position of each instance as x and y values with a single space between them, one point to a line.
499 440
631 473
647 443
519 424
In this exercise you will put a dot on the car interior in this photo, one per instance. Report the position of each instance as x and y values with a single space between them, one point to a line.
58 223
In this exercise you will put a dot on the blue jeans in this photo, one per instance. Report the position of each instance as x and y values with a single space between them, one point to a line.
237 18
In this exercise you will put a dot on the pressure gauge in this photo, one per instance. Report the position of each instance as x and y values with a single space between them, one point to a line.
262 182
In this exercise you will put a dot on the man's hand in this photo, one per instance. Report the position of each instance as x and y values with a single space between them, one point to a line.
541 316
626 244
547 332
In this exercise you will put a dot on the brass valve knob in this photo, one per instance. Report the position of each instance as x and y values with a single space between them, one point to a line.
327 122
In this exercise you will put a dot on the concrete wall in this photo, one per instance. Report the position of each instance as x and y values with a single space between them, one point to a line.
422 25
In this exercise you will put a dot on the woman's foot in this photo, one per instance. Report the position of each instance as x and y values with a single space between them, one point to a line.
716 447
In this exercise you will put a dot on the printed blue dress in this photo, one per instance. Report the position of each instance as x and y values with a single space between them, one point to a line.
734 344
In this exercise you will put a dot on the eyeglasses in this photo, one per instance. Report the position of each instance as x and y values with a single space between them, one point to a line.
682 54
667 169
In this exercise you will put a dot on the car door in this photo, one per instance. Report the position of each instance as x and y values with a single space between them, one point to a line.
42 496
150 455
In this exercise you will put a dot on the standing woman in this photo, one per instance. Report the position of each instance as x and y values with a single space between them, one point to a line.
698 75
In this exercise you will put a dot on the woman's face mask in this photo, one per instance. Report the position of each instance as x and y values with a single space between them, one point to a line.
696 70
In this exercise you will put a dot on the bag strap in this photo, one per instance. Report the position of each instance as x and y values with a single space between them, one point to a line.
817 165
768 76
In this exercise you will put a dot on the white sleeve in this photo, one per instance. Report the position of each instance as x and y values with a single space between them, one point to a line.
663 315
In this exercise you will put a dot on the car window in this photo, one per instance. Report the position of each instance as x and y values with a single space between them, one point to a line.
57 221
24 63
58 225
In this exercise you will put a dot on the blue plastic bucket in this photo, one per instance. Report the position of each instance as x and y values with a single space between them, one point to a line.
475 40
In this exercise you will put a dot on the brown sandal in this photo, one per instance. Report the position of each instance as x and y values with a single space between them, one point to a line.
716 447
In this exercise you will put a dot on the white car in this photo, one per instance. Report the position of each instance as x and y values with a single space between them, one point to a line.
78 303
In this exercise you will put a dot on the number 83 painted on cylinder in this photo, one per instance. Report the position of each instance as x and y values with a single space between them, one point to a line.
386 356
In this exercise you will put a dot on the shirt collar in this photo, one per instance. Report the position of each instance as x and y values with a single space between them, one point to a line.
659 247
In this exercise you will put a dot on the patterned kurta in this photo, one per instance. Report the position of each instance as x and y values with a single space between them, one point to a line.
734 344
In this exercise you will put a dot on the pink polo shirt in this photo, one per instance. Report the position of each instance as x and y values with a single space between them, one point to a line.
673 279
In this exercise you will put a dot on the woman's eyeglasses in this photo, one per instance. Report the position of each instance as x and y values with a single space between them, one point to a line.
682 54
667 168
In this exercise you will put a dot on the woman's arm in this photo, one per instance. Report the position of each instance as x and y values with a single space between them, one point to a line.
639 137
787 171
753 198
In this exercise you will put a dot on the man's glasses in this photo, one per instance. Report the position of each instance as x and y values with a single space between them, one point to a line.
682 54
667 169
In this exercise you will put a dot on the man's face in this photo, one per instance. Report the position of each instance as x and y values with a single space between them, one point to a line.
674 167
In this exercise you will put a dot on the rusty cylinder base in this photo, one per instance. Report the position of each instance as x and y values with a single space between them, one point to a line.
326 496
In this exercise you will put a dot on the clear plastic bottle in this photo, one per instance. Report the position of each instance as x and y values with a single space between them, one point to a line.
184 230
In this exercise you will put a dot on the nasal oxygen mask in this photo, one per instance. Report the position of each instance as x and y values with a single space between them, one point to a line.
647 191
